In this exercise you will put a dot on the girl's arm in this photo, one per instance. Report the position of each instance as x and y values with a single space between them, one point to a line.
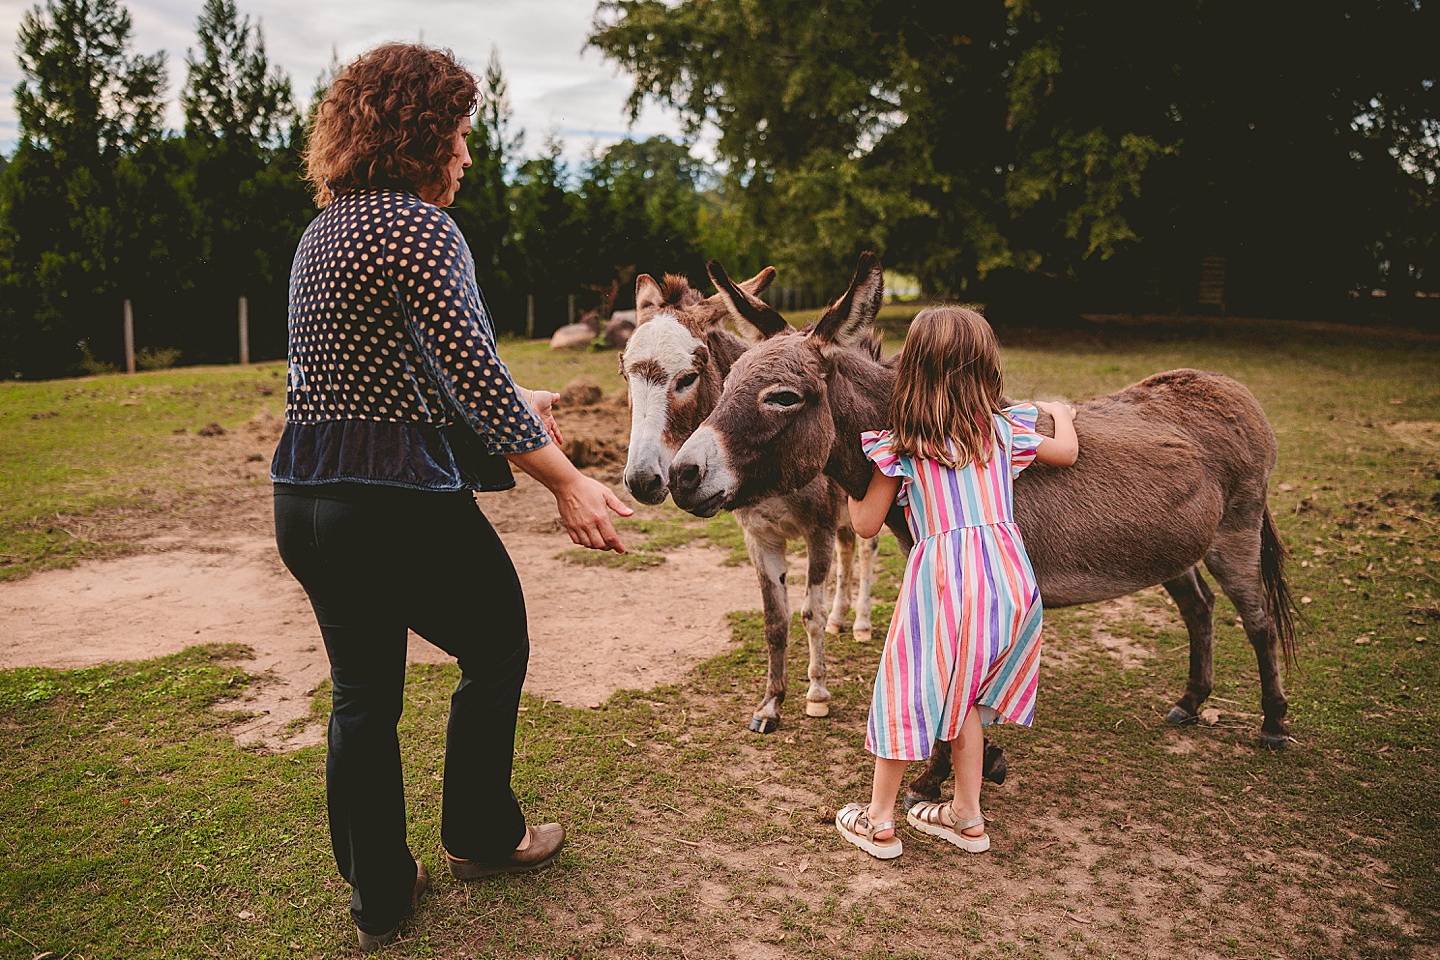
1064 448
868 516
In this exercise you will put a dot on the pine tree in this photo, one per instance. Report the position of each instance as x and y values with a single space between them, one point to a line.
232 93
85 95
88 106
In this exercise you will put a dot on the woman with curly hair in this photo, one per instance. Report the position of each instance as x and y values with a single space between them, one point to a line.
397 408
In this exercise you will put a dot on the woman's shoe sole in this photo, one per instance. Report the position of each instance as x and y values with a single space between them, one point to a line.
469 870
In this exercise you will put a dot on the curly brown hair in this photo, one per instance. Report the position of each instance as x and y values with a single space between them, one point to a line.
389 120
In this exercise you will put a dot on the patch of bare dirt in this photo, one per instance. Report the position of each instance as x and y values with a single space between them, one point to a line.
1417 433
1112 621
209 573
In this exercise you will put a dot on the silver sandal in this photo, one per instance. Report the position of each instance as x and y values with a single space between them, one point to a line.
931 817
854 825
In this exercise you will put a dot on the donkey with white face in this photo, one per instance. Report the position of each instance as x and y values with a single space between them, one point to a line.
675 365
1173 472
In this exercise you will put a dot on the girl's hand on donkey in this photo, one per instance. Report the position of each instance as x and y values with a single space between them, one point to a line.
1056 410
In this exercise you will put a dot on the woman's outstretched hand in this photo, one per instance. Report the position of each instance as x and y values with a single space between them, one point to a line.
585 505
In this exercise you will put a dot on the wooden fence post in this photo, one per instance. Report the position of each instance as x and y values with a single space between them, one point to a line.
570 309
244 331
529 316
129 338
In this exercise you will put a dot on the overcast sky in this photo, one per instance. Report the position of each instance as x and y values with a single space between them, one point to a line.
554 86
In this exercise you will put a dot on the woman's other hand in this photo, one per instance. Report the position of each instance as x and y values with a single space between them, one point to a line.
543 403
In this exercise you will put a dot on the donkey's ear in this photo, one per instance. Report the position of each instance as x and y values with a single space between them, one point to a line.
757 284
746 306
847 323
648 298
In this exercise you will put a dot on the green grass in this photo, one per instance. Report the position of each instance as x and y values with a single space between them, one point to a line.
133 827
78 455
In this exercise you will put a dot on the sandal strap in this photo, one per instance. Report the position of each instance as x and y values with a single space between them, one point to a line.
972 822
857 819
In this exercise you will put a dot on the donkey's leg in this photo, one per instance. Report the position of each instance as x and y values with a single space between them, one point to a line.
937 770
844 580
820 550
767 555
865 553
1234 560
1196 603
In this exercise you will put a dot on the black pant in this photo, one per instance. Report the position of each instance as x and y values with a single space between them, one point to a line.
375 561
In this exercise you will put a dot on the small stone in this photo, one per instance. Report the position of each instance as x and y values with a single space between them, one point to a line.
1210 716
1306 600
1419 639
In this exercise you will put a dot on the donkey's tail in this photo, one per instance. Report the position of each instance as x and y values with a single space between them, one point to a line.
1278 601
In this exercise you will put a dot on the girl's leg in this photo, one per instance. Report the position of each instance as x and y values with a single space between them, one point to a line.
967 751
888 776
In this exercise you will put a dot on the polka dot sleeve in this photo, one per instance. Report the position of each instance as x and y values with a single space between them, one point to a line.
434 276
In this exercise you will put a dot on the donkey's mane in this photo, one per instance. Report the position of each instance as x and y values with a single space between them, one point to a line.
675 291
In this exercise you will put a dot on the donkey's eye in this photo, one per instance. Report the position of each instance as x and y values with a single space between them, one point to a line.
783 398
683 381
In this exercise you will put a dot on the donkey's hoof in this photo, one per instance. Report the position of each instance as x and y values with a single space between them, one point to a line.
1181 717
862 634
817 708
1274 741
764 724
832 628
995 766
911 799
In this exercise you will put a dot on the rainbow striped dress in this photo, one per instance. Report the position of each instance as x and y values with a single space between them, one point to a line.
966 628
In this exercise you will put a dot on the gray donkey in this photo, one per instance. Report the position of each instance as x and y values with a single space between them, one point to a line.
675 364
1173 472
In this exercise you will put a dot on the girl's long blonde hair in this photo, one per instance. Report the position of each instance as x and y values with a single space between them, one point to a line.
947 389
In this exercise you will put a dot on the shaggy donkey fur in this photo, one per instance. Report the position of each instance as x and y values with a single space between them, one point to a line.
675 365
1173 473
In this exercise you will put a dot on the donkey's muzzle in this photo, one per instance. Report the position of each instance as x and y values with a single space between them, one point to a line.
646 486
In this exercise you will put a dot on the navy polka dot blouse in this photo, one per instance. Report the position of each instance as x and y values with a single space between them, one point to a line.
393 373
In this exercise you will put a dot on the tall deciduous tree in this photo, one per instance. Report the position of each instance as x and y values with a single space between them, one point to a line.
1047 136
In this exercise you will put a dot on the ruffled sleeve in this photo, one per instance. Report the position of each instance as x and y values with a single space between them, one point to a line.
1024 438
877 445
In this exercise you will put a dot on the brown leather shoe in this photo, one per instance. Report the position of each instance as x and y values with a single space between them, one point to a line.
370 942
545 843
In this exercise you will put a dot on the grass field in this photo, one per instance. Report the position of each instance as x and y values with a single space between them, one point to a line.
134 827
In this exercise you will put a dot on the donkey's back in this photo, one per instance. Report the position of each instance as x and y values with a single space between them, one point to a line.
1162 464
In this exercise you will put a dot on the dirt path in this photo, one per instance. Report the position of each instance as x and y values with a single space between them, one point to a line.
213 576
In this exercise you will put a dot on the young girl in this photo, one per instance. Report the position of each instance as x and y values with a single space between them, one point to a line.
964 643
